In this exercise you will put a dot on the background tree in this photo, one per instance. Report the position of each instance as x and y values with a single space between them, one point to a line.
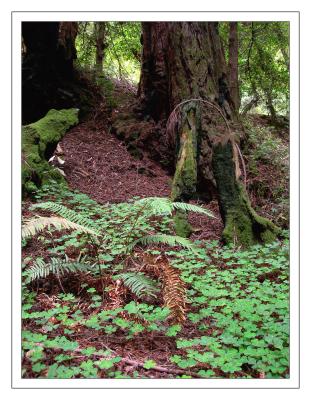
121 45
100 29
184 79
263 64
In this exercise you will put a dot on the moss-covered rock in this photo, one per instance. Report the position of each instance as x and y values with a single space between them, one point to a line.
39 141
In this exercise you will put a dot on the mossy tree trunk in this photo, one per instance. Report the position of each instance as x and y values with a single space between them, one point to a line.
183 62
242 224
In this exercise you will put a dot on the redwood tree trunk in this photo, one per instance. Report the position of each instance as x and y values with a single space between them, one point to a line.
184 80
233 64
47 69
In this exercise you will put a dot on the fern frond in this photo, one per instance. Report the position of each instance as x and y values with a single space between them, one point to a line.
41 269
163 205
165 239
67 213
158 205
141 285
192 208
36 225
174 293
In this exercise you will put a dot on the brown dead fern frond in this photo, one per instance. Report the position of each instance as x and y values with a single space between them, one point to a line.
173 288
174 292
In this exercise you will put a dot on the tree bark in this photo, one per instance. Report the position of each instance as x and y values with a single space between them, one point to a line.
184 82
233 75
100 42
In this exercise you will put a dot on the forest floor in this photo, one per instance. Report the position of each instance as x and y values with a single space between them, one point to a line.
237 317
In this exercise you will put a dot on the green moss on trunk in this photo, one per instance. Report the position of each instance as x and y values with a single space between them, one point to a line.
185 178
242 224
184 184
39 140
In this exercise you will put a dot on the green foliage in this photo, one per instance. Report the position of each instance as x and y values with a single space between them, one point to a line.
263 64
165 239
149 364
108 244
237 310
244 322
36 225
122 49
41 269
163 206
265 152
266 146
70 215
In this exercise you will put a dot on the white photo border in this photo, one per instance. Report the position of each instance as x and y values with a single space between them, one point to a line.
293 17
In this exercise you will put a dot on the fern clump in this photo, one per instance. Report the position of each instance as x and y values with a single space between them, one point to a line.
133 227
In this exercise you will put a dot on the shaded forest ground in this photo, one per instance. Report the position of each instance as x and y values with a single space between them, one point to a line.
71 332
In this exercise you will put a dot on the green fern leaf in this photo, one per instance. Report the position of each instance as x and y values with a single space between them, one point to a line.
67 213
41 269
163 205
192 208
165 239
36 225
158 205
141 285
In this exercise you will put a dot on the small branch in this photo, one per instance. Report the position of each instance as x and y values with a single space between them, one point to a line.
161 369
136 364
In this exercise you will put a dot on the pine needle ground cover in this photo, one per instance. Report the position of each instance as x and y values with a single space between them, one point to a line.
151 311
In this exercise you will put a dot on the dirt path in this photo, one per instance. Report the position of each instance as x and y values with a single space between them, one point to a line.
98 164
